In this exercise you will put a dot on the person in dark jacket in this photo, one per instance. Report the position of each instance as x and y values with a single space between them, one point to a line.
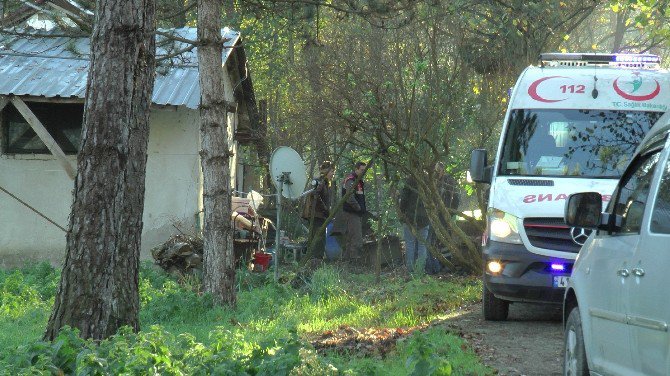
317 208
415 225
349 222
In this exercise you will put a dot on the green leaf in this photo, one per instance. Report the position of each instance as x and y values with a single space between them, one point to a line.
422 368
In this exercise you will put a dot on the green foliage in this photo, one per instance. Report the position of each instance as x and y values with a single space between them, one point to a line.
325 283
16 297
184 333
23 290
435 352
171 301
25 300
424 360
158 352
248 280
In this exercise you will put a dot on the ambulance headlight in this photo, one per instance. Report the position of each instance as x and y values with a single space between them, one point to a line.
503 227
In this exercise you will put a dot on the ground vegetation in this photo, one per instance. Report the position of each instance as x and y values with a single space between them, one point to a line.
338 323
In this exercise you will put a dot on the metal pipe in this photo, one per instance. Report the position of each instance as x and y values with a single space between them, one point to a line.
278 226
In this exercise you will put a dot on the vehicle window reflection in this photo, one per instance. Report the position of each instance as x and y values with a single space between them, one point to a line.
660 217
633 193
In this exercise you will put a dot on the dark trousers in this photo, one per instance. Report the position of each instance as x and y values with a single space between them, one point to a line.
353 247
317 239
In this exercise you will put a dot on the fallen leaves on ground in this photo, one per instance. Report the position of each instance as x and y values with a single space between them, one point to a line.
363 342
476 342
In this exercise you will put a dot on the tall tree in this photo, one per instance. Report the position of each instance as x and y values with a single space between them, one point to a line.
218 256
98 290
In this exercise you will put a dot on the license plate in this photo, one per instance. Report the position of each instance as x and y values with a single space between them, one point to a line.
561 281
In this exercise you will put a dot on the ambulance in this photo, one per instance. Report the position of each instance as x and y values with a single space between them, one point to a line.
572 125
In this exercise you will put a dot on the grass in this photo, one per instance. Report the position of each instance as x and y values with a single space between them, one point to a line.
268 331
26 297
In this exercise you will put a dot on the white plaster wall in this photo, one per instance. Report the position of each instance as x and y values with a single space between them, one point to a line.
173 181
172 194
43 184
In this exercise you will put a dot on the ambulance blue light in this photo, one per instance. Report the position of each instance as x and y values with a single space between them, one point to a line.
558 267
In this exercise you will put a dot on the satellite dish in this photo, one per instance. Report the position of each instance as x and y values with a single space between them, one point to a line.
285 163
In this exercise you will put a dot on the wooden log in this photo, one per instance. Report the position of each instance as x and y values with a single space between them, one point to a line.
45 136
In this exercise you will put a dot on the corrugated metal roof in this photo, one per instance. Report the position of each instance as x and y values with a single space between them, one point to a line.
48 65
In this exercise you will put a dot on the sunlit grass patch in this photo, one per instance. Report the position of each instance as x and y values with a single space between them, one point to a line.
26 297
268 331
28 326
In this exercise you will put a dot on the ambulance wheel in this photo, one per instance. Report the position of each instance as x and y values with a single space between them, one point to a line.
494 309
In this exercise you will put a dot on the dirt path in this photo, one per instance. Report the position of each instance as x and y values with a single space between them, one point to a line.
529 343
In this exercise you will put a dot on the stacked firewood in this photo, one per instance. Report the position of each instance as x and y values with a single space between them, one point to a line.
180 255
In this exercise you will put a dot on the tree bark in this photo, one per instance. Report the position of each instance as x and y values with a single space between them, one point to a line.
98 290
229 9
218 256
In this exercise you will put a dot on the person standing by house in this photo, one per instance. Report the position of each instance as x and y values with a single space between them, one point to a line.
415 226
317 209
349 222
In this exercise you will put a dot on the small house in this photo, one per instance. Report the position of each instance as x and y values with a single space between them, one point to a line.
43 78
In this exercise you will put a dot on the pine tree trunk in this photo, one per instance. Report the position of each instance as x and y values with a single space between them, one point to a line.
98 291
218 257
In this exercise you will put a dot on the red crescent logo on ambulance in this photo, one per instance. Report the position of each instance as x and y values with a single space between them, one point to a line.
638 98
532 90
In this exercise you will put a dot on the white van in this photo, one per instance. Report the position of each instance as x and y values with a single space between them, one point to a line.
616 308
572 125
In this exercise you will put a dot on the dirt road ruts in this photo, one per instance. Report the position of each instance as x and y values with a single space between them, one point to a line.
530 342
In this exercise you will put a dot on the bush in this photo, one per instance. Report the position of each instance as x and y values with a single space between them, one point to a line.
158 352
171 302
43 277
325 283
22 291
423 360
248 280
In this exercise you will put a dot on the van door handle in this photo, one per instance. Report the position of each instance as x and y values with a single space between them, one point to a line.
638 272
623 272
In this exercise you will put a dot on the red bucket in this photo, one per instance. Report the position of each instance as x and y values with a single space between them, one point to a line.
262 260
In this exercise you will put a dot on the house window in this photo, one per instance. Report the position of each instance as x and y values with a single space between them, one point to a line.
62 120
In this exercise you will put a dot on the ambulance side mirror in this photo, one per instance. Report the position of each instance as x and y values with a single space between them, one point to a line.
479 171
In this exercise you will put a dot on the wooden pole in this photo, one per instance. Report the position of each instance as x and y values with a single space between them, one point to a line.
45 136
278 226
378 258
3 102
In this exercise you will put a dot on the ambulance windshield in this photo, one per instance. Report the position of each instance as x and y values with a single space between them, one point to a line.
580 143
